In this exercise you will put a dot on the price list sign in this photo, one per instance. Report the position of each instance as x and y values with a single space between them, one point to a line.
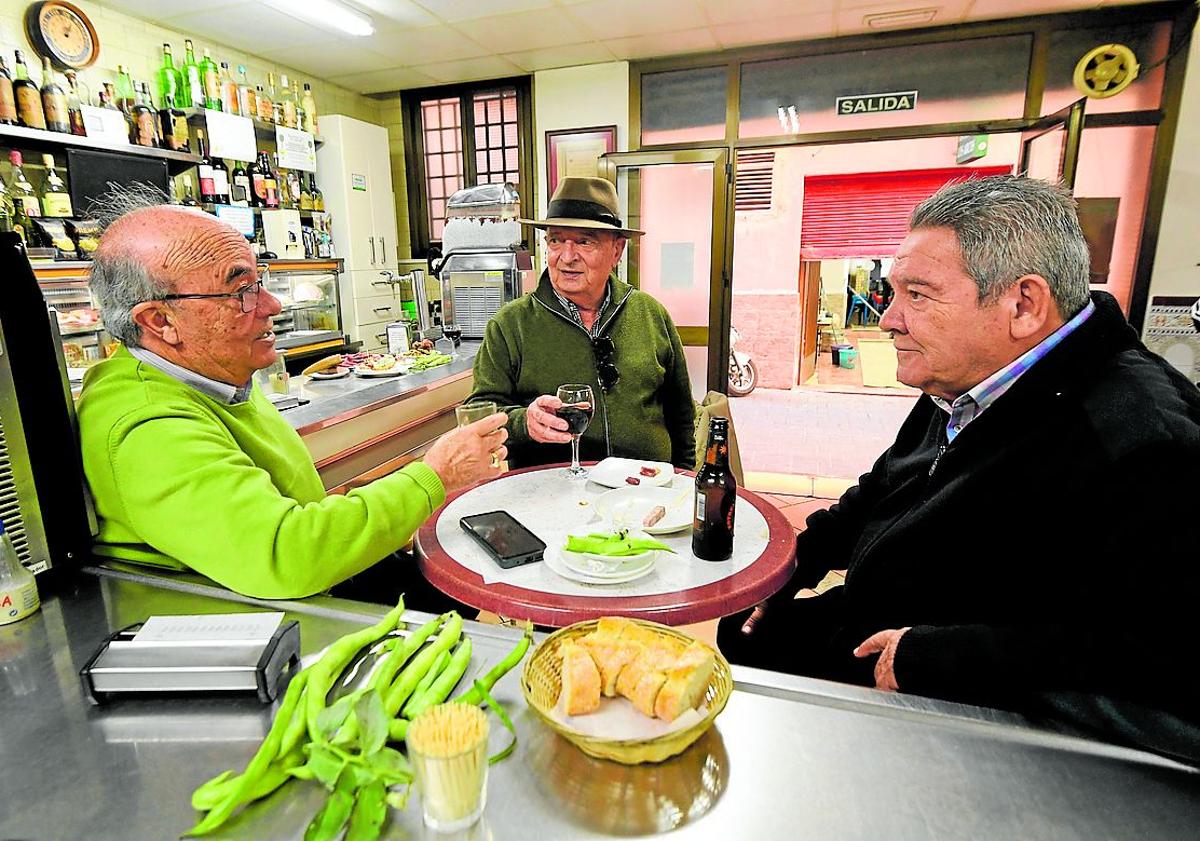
296 148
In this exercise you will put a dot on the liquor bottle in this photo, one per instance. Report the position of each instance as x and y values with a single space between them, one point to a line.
270 181
145 121
54 101
24 198
716 492
306 202
318 198
265 107
220 180
288 101
229 91
272 99
285 189
8 102
191 93
189 197
239 186
212 82
309 102
173 127
168 81
18 588
75 105
208 192
7 212
258 184
299 105
247 106
29 98
126 96
56 198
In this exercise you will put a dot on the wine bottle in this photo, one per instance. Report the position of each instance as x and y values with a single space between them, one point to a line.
208 192
258 184
8 102
24 197
220 180
716 493
7 211
167 79
239 186
191 94
56 198
310 109
29 98
75 105
212 82
54 101
271 182
318 198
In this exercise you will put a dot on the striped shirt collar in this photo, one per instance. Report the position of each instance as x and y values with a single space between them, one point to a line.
215 389
573 310
970 405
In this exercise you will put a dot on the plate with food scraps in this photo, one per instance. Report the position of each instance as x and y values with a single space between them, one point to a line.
554 558
384 366
654 510
335 374
614 472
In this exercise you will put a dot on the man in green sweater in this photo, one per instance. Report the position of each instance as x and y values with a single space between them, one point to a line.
583 325
191 466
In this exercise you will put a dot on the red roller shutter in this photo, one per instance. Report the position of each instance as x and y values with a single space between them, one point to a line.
866 215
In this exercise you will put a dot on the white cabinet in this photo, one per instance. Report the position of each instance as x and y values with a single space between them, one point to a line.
354 172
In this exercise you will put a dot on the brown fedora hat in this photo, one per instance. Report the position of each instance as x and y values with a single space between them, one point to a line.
584 203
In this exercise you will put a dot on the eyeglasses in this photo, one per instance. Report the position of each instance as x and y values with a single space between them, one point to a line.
246 295
584 243
604 349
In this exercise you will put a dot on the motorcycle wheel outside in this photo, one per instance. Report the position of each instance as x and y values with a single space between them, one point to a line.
742 378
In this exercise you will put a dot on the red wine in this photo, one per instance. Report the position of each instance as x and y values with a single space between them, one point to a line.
577 417
452 333
716 493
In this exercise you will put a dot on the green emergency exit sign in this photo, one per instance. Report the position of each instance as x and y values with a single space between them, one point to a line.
971 147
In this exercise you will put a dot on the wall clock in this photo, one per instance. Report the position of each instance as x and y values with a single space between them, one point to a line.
63 33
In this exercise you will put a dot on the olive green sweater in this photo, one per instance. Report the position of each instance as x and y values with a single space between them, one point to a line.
229 490
532 346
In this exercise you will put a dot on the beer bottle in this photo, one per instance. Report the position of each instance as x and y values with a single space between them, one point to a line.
716 492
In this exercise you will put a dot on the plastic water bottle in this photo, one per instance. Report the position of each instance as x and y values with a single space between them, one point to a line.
18 589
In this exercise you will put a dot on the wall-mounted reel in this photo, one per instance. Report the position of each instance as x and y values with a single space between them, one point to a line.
1106 71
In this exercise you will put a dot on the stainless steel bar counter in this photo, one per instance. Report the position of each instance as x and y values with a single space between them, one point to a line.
788 758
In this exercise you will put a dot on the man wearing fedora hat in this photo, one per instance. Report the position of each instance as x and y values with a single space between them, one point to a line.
583 325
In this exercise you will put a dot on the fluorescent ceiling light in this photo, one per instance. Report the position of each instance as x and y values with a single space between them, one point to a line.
908 17
327 13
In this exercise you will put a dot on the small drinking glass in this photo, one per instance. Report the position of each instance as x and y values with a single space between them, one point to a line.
447 748
468 413
578 404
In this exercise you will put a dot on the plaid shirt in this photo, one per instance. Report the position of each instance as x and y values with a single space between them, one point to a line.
573 310
966 407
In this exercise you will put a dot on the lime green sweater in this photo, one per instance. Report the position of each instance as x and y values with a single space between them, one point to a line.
230 491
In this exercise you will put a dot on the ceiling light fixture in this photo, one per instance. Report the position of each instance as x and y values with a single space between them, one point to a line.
907 17
793 119
328 13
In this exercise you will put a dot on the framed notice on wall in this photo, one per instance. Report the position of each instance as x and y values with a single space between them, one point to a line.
575 151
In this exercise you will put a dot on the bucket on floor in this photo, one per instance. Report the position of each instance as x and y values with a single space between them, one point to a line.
847 357
836 351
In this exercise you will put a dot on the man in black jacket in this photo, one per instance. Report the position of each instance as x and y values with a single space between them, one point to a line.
1025 541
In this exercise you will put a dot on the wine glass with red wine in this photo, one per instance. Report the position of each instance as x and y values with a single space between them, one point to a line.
578 404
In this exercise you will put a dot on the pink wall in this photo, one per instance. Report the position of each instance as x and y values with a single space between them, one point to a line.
676 207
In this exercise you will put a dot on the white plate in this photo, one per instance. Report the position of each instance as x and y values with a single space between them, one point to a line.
613 471
553 560
626 507
363 371
330 375
595 566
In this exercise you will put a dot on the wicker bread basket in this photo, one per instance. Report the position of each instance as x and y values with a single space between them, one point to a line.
541 681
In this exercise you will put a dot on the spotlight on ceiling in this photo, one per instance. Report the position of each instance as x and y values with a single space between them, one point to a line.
331 13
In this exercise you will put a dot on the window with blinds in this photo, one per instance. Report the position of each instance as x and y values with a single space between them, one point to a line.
752 188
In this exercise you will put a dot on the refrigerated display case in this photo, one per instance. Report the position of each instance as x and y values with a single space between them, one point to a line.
311 318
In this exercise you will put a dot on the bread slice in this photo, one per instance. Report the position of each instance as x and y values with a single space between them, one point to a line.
611 657
646 692
610 627
327 363
653 654
686 682
580 680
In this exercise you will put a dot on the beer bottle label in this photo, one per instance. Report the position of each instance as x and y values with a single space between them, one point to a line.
700 506
8 102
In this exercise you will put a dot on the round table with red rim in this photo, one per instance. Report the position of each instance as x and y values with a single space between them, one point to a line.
739 591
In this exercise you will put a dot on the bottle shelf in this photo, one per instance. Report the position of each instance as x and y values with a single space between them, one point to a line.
262 130
50 141
212 208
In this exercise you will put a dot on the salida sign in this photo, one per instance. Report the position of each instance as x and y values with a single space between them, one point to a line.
874 103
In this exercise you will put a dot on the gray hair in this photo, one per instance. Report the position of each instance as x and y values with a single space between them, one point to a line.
1010 226
119 282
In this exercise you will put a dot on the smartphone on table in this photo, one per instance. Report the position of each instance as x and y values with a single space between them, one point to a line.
508 542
